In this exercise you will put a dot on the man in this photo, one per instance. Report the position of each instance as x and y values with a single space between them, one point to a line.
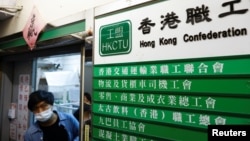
87 98
50 125
86 114
87 108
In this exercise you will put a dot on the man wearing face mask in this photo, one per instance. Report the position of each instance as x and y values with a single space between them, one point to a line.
87 108
86 114
50 125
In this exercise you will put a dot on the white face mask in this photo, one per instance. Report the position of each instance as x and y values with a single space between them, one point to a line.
44 116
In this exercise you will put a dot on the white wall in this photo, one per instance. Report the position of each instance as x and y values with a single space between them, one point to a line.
52 11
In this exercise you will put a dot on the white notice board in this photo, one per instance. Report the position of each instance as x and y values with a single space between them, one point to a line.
218 28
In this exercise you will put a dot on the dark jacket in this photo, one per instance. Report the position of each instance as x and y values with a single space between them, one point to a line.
34 132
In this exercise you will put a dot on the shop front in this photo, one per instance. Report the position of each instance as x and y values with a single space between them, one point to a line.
56 64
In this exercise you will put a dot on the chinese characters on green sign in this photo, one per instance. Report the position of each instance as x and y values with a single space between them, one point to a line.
157 92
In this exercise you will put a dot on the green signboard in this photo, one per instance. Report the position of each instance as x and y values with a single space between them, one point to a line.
167 68
111 135
115 38
205 85
178 101
118 128
184 96
196 119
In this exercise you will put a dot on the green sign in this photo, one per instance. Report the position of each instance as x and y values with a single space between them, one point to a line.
168 116
161 100
142 129
188 102
165 68
208 85
109 135
115 38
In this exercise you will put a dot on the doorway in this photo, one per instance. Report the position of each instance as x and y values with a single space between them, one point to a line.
60 74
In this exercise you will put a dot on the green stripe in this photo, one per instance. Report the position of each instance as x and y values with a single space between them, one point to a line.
216 86
145 129
183 102
50 34
163 69
108 135
189 119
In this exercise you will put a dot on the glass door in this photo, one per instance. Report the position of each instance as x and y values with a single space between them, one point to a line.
60 75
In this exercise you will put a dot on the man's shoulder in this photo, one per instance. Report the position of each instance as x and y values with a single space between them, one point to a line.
63 115
67 119
33 128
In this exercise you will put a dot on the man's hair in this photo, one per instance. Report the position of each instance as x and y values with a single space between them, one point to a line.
39 96
88 96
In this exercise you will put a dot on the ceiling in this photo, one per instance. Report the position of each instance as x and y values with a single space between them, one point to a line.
7 12
57 42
